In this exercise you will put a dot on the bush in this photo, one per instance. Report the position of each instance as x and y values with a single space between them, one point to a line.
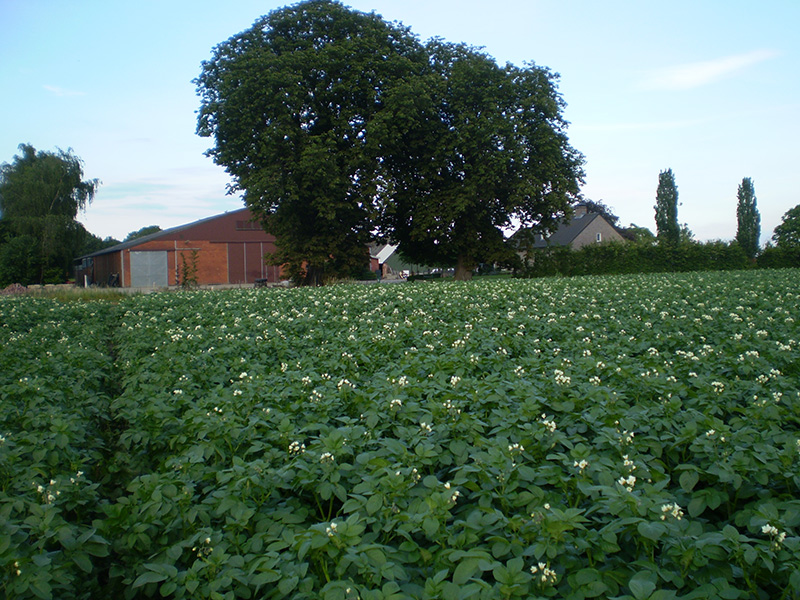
19 261
779 258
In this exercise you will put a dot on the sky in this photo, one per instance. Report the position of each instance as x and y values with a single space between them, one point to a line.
708 88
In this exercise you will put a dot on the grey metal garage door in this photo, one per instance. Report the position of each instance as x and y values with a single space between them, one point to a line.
149 269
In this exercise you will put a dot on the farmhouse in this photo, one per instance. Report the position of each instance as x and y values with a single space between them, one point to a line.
582 229
224 249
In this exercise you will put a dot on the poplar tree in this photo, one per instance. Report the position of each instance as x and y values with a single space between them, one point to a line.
748 219
668 230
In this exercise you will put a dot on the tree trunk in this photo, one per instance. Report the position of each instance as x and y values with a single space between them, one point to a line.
463 269
314 276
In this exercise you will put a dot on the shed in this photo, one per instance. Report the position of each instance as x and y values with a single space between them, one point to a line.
229 248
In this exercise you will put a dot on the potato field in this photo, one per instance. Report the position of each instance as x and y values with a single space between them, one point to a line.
629 437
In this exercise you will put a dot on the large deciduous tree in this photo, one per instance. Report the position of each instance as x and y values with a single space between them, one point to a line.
748 219
667 228
787 233
40 196
291 104
481 146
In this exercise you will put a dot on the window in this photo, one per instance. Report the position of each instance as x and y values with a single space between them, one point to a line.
599 237
248 225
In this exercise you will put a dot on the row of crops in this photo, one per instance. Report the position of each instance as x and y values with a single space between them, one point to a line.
632 437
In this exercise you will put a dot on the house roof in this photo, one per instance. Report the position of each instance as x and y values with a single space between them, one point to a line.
382 252
158 234
566 232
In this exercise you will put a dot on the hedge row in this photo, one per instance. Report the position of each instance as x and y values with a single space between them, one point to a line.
626 258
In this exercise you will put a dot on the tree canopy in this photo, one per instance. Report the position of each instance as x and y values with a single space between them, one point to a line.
486 146
40 196
598 206
748 219
667 228
787 233
291 105
139 233
338 126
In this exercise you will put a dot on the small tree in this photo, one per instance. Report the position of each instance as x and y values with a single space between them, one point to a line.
668 230
748 219
787 234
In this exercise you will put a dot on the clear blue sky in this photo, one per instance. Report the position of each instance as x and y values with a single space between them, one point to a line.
709 88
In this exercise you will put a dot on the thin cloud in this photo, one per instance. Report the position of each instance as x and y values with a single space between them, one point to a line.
62 92
693 75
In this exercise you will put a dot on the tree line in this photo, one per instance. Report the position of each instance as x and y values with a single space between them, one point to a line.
748 219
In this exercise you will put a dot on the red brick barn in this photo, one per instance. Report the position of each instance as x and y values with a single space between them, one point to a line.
224 249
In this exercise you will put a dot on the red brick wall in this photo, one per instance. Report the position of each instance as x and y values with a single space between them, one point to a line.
230 249
217 262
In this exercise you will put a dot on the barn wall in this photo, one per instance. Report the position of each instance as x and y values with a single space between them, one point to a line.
229 249
217 262
102 268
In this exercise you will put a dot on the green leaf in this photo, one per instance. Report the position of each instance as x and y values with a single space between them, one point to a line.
688 480
430 526
83 562
697 505
731 533
450 591
42 589
149 577
794 579
429 481
585 576
642 585
376 557
287 584
651 530
374 504
465 570
594 589
263 577
167 588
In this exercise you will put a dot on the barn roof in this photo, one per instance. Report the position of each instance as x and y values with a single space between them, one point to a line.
158 234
